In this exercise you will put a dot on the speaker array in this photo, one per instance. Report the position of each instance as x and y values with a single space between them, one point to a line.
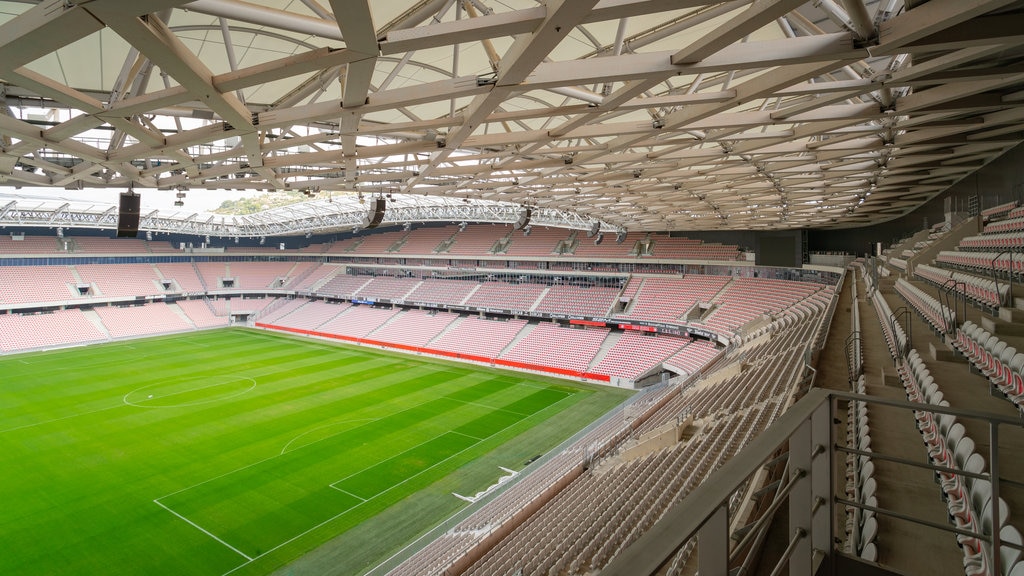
128 215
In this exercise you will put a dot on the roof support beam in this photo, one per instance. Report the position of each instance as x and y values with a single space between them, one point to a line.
930 18
264 16
754 17
153 39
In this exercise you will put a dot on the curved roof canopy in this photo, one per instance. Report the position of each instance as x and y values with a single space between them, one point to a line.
643 114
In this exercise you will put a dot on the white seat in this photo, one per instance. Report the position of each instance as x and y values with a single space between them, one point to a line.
868 532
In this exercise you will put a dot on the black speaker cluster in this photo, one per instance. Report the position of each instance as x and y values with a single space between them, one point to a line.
128 215
524 218
376 214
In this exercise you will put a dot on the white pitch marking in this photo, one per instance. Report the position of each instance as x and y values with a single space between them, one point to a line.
360 498
204 531
59 419
338 515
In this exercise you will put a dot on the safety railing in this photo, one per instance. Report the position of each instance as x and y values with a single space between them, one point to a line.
810 491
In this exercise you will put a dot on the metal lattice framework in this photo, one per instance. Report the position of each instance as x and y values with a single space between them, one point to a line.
344 213
643 114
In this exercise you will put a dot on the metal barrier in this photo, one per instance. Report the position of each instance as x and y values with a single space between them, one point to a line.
809 489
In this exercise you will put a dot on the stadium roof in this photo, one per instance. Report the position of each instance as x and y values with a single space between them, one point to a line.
643 114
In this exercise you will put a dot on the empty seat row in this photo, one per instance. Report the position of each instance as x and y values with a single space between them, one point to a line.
1002 364
981 290
998 241
983 262
861 524
937 315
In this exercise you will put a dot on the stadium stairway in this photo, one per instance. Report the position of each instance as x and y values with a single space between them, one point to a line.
609 341
904 546
95 319
964 388
470 295
446 330
540 298
522 334
181 313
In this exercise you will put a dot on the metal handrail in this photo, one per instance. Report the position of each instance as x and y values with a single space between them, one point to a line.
699 514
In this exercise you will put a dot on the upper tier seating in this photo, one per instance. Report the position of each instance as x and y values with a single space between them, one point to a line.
183 275
101 245
387 287
1015 223
258 275
344 285
540 243
24 284
588 301
667 299
983 262
30 245
450 292
302 280
425 240
476 240
505 296
121 280
747 298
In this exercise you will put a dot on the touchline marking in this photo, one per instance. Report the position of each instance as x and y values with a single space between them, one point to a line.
204 531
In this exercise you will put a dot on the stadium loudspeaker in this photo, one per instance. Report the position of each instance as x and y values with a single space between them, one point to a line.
377 212
128 215
524 218
594 229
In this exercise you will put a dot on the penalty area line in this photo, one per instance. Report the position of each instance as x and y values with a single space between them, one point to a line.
204 531
360 498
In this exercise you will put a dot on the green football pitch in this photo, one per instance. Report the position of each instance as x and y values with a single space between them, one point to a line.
240 451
